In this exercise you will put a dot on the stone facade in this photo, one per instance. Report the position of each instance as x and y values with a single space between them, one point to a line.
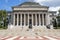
30 15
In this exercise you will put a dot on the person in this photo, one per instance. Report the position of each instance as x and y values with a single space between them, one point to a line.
48 26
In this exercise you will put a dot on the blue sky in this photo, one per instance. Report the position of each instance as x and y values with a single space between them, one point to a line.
54 5
7 4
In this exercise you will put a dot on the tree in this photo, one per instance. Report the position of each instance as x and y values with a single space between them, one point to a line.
55 24
3 18
58 19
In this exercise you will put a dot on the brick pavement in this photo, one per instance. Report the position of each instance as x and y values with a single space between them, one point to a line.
30 38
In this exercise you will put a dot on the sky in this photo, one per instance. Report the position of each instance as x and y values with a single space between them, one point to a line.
54 5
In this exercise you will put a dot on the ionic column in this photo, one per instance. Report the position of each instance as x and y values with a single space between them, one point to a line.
36 19
43 19
14 20
39 20
32 19
21 19
28 19
46 19
24 19
17 19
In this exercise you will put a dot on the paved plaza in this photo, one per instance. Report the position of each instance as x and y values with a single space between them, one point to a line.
25 34
30 21
30 38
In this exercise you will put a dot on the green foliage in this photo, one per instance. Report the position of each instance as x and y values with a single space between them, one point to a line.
59 11
56 23
3 17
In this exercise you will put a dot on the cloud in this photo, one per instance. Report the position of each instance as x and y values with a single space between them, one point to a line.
40 1
54 8
53 4
49 2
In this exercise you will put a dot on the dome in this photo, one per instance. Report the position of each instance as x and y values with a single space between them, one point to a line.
30 5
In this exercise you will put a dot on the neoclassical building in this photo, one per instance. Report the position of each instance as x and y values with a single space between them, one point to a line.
30 15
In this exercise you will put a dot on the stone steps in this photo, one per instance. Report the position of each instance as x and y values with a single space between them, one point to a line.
30 32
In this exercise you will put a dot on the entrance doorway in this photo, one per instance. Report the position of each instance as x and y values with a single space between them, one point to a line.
30 23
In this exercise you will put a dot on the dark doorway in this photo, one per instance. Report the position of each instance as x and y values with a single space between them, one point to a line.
30 23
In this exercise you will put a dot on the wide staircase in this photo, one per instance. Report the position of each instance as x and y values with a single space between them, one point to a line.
30 32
